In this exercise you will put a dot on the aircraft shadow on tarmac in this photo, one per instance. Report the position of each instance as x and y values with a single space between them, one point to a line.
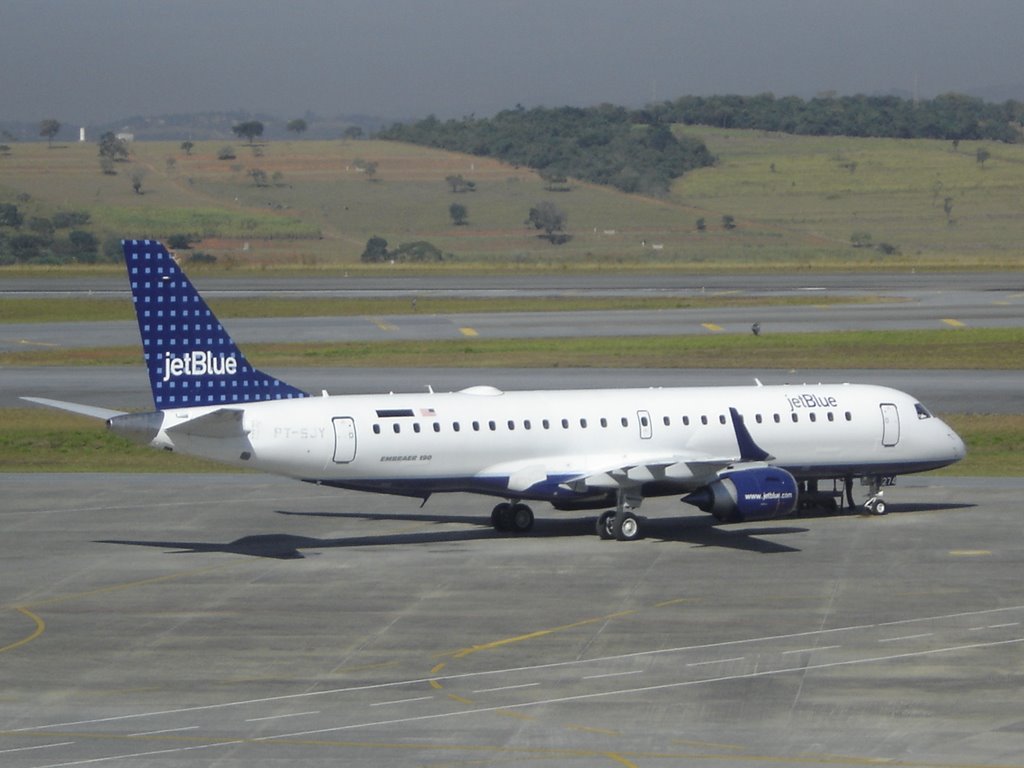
698 531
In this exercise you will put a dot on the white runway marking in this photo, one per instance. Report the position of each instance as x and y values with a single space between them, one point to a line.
400 701
281 717
812 650
613 674
506 688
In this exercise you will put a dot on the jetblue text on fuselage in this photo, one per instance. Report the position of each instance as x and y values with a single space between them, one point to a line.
812 401
199 363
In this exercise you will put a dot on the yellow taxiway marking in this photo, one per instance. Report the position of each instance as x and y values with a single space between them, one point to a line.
468 332
460 699
713 327
30 343
383 324
462 653
952 322
591 729
40 628
970 552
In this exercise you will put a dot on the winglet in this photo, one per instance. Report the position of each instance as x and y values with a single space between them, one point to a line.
749 450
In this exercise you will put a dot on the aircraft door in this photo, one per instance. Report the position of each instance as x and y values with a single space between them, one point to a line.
344 439
644 419
890 425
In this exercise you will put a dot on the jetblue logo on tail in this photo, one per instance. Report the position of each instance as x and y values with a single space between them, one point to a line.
199 363
191 358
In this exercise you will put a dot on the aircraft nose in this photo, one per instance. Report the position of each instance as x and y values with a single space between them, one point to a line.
957 447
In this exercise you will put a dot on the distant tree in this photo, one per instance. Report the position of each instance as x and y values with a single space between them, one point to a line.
458 213
49 128
171 164
179 242
701 225
353 132
250 129
459 184
417 251
138 176
370 169
982 155
728 222
297 126
186 146
549 217
41 226
10 216
376 250
277 179
259 177
5 149
107 166
112 147
85 245
226 152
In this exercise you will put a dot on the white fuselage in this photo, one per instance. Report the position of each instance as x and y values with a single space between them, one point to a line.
522 444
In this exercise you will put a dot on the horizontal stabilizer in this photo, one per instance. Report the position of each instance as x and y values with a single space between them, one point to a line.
93 411
222 423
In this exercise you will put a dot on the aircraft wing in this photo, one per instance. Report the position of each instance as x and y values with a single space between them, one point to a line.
604 472
626 472
678 469
92 411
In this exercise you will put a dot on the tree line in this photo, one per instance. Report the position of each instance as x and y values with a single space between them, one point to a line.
604 145
636 151
952 116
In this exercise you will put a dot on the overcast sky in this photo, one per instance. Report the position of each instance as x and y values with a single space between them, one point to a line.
93 61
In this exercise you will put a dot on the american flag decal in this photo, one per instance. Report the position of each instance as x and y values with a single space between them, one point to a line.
428 412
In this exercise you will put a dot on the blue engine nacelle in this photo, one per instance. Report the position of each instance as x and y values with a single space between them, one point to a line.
755 493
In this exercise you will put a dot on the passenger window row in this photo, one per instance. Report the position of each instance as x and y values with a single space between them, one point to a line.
527 424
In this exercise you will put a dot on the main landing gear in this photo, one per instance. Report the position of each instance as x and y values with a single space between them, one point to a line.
621 523
512 516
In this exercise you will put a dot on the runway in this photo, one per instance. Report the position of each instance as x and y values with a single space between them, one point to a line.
929 310
245 620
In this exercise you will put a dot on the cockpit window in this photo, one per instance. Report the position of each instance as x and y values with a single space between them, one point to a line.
922 412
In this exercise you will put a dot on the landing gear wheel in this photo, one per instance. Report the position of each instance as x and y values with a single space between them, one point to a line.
501 517
520 518
606 525
879 507
626 529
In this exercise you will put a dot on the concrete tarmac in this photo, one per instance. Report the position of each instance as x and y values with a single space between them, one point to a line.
241 620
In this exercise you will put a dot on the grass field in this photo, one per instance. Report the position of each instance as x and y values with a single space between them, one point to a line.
29 310
960 349
796 200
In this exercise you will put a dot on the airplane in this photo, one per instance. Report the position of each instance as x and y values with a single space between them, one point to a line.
740 453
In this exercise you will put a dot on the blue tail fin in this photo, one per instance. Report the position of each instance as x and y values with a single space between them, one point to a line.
191 358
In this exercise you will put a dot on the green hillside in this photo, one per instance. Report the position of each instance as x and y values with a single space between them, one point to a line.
796 203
